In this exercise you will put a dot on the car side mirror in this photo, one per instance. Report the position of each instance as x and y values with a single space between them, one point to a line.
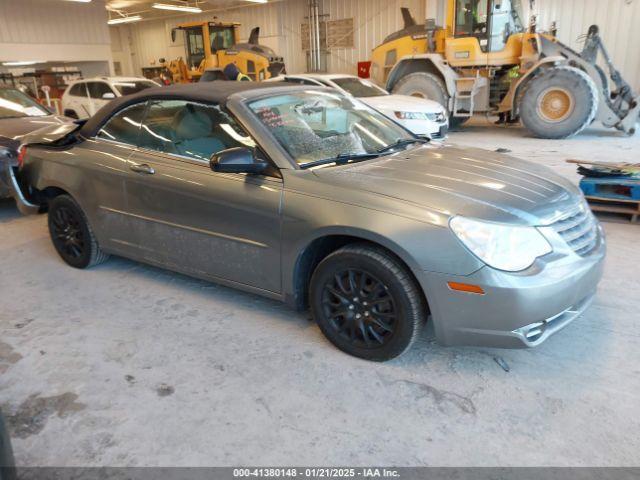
237 160
108 96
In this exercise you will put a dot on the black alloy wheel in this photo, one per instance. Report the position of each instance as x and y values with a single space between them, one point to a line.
360 308
366 302
71 234
67 234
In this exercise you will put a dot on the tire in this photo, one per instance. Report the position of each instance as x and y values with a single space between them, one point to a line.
430 86
71 114
457 122
558 103
366 303
71 234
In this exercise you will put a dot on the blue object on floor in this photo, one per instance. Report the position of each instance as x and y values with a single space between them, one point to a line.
620 188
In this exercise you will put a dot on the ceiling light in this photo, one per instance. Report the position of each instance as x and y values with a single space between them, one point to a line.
79 1
178 7
21 63
257 1
127 19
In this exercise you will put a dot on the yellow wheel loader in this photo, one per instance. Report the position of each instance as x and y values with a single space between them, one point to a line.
479 57
211 46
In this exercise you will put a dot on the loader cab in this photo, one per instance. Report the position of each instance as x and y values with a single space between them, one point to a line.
204 40
485 32
195 43
222 37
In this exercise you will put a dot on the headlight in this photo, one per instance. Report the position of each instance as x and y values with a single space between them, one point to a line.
412 115
501 246
434 117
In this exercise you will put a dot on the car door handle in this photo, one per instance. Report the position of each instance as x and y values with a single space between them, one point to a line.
142 168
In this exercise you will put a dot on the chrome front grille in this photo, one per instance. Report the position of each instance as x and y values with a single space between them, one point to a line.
579 230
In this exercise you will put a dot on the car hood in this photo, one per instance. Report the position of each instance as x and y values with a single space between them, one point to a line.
403 103
17 127
463 181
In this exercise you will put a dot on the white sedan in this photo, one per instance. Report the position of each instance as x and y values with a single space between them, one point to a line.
422 117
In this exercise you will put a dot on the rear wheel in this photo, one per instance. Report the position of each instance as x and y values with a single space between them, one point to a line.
71 234
430 86
558 103
366 303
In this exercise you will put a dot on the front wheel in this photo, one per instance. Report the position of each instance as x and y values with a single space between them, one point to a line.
559 102
71 234
366 303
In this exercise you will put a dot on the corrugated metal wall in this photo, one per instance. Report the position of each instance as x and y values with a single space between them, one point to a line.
43 21
619 22
373 21
279 24
41 27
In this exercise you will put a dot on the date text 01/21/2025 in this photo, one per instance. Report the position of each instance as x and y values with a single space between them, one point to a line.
315 472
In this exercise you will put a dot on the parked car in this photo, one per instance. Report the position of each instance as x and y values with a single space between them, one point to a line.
311 197
7 463
421 116
19 115
83 98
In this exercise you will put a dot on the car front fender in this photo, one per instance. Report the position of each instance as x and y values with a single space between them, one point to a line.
8 182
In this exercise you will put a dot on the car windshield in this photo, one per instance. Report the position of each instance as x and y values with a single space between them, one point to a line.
315 125
135 86
359 88
14 103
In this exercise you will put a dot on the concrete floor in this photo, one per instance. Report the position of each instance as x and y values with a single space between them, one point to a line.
130 365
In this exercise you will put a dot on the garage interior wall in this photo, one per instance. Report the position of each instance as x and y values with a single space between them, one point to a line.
146 42
141 44
41 30
618 21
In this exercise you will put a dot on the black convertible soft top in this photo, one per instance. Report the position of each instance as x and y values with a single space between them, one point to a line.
211 92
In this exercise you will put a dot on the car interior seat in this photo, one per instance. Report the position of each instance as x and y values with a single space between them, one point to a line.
194 133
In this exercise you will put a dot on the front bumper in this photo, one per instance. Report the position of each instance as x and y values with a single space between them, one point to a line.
518 310
440 134
425 128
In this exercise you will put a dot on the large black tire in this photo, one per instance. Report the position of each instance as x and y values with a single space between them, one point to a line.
71 234
558 103
366 302
428 85
456 122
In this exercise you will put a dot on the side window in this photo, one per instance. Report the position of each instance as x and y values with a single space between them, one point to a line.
98 89
124 126
78 90
190 129
251 69
390 59
471 17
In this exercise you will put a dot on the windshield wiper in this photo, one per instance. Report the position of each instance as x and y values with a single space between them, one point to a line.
401 142
340 159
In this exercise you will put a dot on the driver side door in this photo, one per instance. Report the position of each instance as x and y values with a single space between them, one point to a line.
190 219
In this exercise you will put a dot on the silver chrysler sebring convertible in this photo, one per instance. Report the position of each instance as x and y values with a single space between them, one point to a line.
307 196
